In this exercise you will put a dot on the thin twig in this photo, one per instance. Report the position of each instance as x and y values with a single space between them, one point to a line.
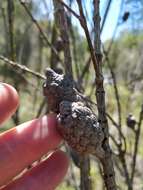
90 45
21 67
115 87
74 45
10 10
43 35
121 136
12 48
54 59
61 21
71 10
137 137
116 27
121 156
105 15
119 110
124 166
85 69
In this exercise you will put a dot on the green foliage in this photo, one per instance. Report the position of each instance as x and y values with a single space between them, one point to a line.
125 58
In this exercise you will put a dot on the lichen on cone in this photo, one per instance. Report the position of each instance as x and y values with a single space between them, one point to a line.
77 123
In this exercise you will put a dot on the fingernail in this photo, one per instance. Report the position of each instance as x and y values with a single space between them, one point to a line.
1 86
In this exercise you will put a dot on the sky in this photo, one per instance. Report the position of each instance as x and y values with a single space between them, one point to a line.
112 17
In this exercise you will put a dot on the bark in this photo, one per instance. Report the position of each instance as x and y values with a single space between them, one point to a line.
107 162
61 22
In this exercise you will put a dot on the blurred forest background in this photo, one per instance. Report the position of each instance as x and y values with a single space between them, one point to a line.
29 37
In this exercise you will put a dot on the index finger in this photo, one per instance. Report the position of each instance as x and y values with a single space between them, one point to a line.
9 101
26 143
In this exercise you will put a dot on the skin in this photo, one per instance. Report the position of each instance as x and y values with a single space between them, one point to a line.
26 143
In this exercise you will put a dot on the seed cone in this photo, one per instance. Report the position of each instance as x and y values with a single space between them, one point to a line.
79 127
57 88
77 123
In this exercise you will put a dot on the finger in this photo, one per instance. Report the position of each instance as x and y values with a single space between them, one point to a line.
45 176
9 101
22 145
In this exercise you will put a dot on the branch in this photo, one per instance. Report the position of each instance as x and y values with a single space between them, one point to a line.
70 10
124 165
121 151
54 59
21 67
105 15
10 10
85 177
84 71
107 162
115 86
137 137
85 28
61 21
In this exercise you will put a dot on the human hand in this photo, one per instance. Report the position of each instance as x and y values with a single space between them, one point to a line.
26 143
